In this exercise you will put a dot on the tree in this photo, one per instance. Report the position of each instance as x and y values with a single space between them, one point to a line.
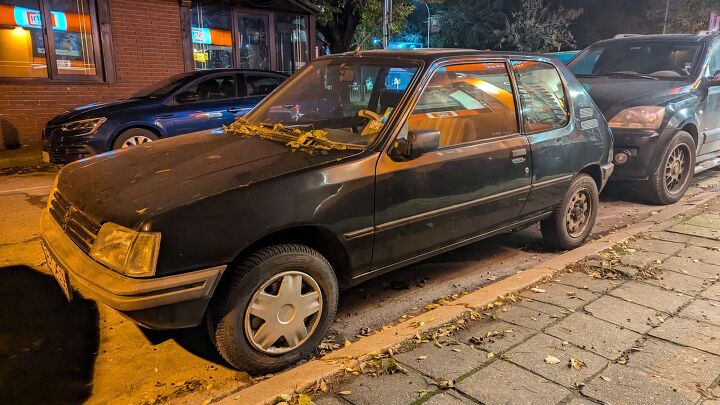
684 17
345 23
535 28
466 24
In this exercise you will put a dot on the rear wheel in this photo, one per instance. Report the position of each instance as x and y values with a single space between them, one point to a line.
572 221
275 308
134 137
671 179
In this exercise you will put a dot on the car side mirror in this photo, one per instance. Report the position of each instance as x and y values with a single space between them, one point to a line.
187 97
417 143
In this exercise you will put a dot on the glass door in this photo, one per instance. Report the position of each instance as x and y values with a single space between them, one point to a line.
252 41
291 42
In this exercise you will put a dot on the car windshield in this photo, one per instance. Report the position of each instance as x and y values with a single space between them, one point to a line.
346 100
641 59
163 87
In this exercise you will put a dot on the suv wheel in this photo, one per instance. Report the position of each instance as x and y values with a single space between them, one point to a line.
275 308
572 221
134 137
671 178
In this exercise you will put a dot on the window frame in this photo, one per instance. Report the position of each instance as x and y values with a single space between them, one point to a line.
103 54
426 81
234 12
518 101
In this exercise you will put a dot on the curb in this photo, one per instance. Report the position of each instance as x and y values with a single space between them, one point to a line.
333 364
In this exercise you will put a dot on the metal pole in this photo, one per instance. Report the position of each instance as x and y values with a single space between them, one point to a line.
428 10
667 10
387 19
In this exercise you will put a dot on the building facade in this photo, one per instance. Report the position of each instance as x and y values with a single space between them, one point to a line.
102 50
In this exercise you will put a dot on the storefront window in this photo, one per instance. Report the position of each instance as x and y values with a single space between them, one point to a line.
252 41
72 49
211 36
291 42
22 53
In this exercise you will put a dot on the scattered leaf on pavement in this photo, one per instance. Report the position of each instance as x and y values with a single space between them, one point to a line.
552 360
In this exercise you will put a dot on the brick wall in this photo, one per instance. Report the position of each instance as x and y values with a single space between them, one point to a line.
148 47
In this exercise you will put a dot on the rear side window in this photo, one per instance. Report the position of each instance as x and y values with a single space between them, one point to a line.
261 85
542 96
467 103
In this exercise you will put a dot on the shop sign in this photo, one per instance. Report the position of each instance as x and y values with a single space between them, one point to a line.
200 57
29 18
201 36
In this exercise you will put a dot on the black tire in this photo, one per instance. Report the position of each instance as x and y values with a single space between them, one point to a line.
658 191
557 232
229 308
132 133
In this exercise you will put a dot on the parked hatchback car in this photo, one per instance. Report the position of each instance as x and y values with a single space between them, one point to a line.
187 102
660 94
254 230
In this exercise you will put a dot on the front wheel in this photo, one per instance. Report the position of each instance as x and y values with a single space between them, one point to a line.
275 308
671 179
134 137
572 221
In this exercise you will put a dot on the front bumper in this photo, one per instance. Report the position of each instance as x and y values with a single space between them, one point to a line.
58 149
643 148
169 302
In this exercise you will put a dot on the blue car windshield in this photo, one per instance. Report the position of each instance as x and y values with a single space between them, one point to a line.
163 87
349 98
648 59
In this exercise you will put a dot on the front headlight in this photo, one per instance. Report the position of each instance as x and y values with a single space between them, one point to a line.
126 251
647 117
83 127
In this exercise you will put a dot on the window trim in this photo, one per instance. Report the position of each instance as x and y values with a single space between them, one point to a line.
103 54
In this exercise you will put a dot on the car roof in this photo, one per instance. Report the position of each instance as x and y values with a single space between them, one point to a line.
663 37
432 54
201 73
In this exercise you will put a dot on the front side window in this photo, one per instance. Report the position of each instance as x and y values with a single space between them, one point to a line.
210 27
624 58
467 103
348 99
542 96
72 50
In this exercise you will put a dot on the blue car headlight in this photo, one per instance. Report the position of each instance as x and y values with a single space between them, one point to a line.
83 127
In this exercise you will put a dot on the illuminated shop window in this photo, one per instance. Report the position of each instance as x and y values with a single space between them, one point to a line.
211 36
22 52
291 37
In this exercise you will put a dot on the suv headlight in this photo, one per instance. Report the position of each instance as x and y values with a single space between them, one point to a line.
83 127
646 117
126 251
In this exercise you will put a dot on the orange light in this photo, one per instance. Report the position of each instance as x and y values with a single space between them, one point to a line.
19 31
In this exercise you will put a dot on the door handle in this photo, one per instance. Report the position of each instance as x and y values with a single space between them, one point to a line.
518 155
233 110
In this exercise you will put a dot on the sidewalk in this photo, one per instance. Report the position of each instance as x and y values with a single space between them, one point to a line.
638 324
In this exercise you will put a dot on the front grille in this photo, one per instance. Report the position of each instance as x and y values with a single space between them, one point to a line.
80 228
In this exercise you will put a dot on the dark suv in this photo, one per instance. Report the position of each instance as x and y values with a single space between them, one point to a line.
661 97
255 229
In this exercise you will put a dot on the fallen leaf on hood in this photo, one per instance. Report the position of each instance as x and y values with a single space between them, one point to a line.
162 171
142 211
552 360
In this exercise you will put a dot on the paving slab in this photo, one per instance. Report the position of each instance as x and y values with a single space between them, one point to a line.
643 259
584 281
704 242
598 336
625 385
505 383
691 267
626 314
658 246
553 310
711 256
678 282
703 310
694 230
651 296
707 220
449 397
494 336
329 400
688 366
580 401
398 388
669 236
531 355
561 295
523 316
689 332
446 363
712 293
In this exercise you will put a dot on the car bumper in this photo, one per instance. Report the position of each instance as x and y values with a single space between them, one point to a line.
606 172
642 148
59 149
169 302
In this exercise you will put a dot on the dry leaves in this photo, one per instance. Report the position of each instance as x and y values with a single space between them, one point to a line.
552 360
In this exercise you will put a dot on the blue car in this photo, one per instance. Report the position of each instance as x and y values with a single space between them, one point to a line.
180 104
564 57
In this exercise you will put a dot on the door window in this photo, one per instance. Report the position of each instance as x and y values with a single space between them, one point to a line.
467 103
714 62
261 85
215 88
542 96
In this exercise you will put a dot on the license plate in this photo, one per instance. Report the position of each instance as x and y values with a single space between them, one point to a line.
57 271
45 157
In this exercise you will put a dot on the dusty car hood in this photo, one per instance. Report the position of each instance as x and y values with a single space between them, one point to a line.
613 93
131 186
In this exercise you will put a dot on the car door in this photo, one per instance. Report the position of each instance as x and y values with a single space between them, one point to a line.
710 115
212 106
254 88
475 182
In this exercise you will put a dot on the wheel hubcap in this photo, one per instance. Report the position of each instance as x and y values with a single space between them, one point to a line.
136 140
676 169
578 213
283 313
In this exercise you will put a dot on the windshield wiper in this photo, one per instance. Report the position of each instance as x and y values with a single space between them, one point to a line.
308 141
633 74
